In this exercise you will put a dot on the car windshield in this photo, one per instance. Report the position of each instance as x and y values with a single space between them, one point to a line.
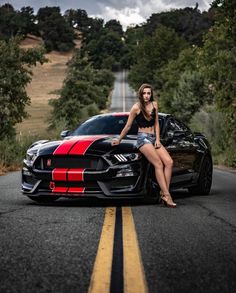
107 124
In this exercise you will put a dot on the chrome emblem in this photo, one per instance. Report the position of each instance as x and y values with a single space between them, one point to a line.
52 185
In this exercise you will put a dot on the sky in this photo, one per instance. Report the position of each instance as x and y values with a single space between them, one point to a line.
128 12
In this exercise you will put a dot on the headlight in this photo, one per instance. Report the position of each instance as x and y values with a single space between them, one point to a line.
123 158
30 157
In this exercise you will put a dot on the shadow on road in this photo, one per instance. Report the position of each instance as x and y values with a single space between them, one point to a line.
95 202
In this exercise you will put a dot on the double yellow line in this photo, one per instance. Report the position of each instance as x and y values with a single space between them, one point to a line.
133 272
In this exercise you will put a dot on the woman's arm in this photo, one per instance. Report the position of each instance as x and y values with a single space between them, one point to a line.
157 128
125 130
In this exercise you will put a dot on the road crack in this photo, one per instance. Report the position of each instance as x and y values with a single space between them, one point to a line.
211 213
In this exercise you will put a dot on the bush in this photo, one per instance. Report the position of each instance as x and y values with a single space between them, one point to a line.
12 152
211 123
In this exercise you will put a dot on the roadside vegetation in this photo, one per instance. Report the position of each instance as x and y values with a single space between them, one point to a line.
187 55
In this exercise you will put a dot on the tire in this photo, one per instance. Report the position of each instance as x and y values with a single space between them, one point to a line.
203 186
43 198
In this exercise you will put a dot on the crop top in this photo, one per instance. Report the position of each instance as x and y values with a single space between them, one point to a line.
143 122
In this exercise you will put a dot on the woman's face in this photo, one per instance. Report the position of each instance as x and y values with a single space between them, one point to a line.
147 93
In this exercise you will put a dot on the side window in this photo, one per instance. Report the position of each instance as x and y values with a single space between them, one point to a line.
173 125
182 126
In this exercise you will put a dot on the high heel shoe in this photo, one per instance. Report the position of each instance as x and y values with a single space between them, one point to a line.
166 199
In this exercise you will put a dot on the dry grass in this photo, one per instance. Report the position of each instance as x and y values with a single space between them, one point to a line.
46 79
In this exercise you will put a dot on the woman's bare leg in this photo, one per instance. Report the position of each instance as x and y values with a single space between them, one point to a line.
163 179
167 162
150 153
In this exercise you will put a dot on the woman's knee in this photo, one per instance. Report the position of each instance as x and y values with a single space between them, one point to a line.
169 163
158 163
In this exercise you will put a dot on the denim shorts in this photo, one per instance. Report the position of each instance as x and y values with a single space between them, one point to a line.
143 138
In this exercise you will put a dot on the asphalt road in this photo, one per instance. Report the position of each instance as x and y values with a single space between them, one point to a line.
123 95
54 247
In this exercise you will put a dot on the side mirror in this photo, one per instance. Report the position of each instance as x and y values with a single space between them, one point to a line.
65 133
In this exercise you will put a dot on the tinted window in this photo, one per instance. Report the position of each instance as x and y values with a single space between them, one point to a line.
110 124
174 125
105 125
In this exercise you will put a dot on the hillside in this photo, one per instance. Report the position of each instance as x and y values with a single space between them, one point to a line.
46 79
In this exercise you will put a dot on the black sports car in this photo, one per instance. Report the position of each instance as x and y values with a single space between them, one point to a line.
85 164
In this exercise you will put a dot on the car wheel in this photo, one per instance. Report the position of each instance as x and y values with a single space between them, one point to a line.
43 198
205 179
153 190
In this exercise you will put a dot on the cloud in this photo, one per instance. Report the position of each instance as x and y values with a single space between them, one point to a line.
128 12
127 16
137 11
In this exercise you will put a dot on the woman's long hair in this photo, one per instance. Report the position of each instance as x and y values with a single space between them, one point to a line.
141 100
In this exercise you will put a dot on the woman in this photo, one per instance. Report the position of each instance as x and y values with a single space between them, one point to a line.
145 112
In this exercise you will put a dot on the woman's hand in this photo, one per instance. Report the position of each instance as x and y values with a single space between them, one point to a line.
157 144
115 141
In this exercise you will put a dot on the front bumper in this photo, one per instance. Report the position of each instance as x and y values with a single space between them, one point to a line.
119 181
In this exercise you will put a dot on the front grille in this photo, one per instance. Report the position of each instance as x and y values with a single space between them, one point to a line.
74 162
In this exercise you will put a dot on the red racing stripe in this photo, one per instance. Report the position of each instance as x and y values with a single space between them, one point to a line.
65 147
76 190
81 146
59 174
60 189
76 174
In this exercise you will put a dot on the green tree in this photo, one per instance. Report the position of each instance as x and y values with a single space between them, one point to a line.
95 30
217 62
188 22
153 53
13 22
132 38
182 85
84 93
114 25
27 21
78 19
186 98
8 23
55 31
107 45
15 74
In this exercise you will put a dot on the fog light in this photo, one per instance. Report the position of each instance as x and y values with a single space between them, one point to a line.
125 172
26 172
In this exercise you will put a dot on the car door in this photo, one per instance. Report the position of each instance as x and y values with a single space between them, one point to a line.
179 142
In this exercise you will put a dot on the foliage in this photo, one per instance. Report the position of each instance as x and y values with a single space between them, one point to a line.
14 22
187 97
132 38
217 60
55 31
15 74
210 122
154 53
94 30
12 150
188 22
84 93
77 19
114 25
183 91
104 44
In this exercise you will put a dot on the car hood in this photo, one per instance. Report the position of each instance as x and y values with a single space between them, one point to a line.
86 144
